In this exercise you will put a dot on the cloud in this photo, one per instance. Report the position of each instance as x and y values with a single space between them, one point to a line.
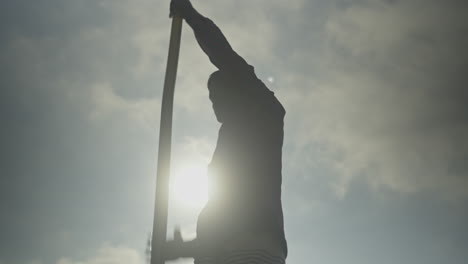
387 102
109 255
107 103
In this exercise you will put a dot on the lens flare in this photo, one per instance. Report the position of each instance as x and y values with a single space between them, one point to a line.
189 185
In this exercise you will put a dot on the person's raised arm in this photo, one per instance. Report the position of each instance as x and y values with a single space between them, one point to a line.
211 39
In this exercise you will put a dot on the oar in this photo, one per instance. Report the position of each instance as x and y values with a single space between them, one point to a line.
164 151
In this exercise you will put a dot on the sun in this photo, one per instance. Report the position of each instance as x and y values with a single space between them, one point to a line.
189 185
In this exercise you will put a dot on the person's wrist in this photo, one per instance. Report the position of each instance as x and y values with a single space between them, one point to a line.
190 14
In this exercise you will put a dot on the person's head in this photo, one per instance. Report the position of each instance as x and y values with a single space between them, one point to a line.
220 93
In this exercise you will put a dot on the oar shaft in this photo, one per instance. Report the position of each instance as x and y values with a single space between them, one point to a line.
164 151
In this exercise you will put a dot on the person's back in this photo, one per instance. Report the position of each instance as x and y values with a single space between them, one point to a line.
244 210
245 172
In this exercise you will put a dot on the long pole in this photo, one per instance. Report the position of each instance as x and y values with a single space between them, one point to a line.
164 151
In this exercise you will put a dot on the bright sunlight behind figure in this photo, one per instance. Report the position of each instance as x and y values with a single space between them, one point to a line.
189 185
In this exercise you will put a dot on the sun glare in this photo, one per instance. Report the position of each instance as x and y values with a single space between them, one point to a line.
189 185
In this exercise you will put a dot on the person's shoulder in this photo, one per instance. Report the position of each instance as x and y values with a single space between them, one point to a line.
265 99
255 93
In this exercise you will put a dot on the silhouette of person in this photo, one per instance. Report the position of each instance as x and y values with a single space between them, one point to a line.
242 221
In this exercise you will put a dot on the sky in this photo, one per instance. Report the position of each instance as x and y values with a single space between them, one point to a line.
375 160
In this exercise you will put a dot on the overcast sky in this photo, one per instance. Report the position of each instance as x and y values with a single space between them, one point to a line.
375 162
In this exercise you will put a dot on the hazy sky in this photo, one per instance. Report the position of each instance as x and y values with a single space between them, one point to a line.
375 159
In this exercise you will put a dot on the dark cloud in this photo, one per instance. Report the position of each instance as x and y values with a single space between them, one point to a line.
57 190
386 96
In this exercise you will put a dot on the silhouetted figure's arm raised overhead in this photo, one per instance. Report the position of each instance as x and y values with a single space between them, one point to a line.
211 40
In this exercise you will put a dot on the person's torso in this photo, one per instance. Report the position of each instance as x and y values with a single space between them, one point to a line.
245 174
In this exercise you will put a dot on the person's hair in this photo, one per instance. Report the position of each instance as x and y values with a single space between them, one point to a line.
218 81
